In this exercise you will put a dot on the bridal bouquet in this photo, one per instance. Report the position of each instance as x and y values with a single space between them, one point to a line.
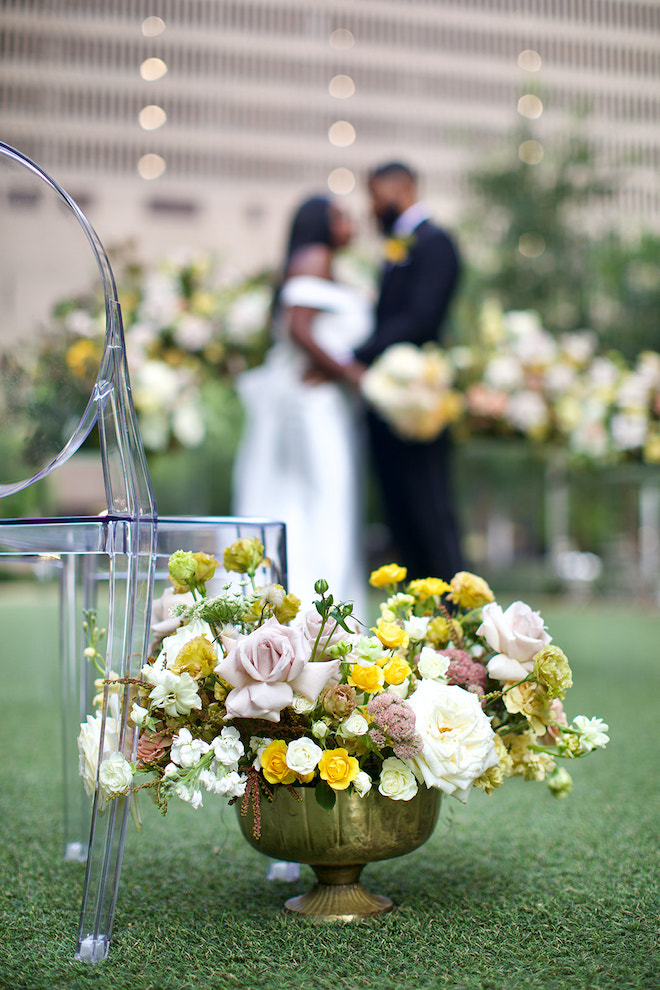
411 388
243 693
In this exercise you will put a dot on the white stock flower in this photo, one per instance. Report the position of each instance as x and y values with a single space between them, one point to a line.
227 747
115 774
355 725
593 732
139 715
177 694
432 664
190 795
231 785
458 741
303 755
397 781
187 751
362 783
257 745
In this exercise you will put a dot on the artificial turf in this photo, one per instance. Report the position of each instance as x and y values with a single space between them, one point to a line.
518 891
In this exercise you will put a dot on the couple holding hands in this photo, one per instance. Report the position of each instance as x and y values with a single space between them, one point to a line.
303 452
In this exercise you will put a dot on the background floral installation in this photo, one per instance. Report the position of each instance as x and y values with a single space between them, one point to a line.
244 693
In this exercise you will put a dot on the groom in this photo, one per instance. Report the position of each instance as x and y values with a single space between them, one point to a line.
418 281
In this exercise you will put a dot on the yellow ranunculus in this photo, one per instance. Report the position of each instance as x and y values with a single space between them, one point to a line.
369 679
552 670
430 587
206 565
387 574
396 671
469 590
338 768
391 635
273 764
288 610
198 658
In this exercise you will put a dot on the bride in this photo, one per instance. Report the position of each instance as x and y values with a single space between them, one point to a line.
300 456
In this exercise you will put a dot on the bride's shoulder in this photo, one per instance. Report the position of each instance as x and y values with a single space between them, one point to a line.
312 291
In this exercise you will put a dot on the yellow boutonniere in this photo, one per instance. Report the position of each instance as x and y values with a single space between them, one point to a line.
396 249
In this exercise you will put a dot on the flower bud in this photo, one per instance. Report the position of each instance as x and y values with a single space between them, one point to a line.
321 586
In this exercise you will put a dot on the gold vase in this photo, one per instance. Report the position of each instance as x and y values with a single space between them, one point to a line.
337 844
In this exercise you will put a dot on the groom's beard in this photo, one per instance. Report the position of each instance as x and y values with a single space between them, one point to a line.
387 219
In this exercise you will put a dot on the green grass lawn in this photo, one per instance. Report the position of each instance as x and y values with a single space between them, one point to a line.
515 891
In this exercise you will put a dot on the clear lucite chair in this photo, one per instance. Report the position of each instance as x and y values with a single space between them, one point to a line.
108 562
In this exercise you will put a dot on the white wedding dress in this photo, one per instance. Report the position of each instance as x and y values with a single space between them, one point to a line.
300 457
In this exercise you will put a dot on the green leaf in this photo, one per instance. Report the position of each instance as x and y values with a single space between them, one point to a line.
325 796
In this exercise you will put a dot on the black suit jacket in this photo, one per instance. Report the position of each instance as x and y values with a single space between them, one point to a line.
415 294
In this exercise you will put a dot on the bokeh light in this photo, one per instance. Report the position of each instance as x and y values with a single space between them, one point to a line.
153 68
341 87
531 245
341 181
341 134
152 26
530 60
530 152
152 117
342 38
151 166
530 106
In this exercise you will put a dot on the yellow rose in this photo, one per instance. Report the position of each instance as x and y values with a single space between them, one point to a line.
369 679
338 768
469 590
391 635
424 588
273 764
388 574
197 658
396 671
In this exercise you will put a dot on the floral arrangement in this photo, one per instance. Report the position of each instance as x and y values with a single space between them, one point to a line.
244 693
411 388
189 325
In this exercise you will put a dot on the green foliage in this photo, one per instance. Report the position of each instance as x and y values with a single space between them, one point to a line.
522 894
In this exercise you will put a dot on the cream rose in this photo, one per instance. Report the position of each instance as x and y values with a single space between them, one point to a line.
355 725
458 741
362 783
265 668
516 635
303 755
397 781
432 664
115 774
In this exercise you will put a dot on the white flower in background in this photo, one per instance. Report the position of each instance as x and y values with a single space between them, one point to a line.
634 392
156 385
362 783
628 430
89 742
80 322
416 627
520 322
367 651
115 774
355 725
458 739
187 751
397 781
192 333
527 411
227 747
248 314
593 732
590 438
303 755
559 378
402 363
603 376
504 371
516 635
161 301
155 429
536 350
579 347
432 664
188 421
176 693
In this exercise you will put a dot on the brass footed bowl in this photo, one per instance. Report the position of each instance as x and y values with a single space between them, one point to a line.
337 844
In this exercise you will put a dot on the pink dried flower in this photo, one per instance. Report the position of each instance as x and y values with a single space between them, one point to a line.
393 716
408 749
466 672
378 737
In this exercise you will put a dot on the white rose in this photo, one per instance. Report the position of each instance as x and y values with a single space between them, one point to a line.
88 745
400 690
432 664
397 781
355 725
516 635
302 705
115 774
457 736
416 626
320 729
303 755
362 783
